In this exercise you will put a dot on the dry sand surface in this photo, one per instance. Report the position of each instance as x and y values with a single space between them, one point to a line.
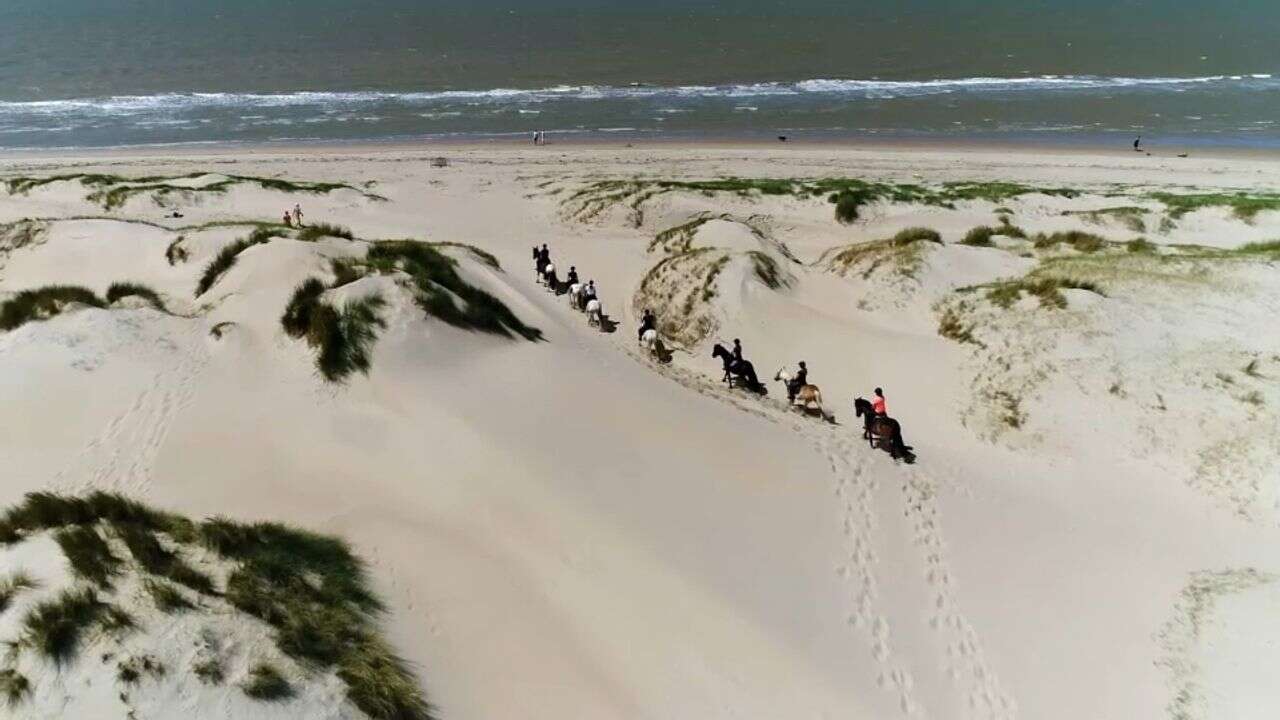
565 527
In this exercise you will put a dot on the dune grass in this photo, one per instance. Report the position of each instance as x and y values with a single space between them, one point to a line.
113 191
342 337
227 256
1132 217
309 587
440 288
209 671
904 253
1244 206
14 687
954 325
345 272
120 290
1048 290
132 669
266 683
1080 241
979 236
679 238
156 560
766 270
848 195
90 557
1141 246
44 303
314 232
175 252
55 627
13 585
167 598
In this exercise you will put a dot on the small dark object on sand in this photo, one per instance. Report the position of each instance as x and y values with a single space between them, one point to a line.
1182 154
782 138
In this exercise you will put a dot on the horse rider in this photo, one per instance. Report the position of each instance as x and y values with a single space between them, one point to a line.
737 351
877 403
588 292
647 322
572 277
800 380
544 255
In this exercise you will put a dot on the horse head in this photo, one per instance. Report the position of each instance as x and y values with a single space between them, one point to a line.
718 351
783 375
861 406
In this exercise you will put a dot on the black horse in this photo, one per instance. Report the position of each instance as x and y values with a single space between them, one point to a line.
883 429
742 370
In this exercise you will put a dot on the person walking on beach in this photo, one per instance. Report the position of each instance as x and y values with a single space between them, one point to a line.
288 219
1137 144
297 215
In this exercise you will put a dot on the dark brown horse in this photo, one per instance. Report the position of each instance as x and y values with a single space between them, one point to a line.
882 431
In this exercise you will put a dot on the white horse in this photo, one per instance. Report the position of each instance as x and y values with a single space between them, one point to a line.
806 396
650 341
595 312
575 295
548 271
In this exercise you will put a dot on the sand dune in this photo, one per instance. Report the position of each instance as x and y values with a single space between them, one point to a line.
562 526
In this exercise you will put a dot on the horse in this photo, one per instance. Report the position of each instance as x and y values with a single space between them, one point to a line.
742 368
595 312
649 339
806 395
547 273
575 296
880 429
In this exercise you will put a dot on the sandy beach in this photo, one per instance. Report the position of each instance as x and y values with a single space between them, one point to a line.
565 526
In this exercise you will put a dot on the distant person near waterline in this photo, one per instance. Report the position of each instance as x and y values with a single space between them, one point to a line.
288 219
297 215
1137 144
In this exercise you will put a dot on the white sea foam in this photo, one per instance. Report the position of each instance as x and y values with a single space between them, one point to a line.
820 86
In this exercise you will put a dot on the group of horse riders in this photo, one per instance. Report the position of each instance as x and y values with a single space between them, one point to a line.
879 426
584 298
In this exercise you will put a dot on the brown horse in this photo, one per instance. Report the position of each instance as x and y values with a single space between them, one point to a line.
806 395
881 430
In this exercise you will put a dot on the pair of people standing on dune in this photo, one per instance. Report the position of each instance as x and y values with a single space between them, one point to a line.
293 218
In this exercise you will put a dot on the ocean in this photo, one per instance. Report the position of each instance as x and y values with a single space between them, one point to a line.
81 73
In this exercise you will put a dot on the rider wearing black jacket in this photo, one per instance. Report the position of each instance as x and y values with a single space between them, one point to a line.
800 380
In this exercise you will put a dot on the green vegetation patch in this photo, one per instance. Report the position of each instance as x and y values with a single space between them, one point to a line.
113 191
227 256
1048 290
310 588
90 557
1245 206
442 293
1130 216
848 195
903 253
55 627
311 233
343 337
14 687
44 303
266 683
128 289
13 585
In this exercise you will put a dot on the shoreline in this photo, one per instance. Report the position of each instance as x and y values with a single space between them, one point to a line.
578 143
